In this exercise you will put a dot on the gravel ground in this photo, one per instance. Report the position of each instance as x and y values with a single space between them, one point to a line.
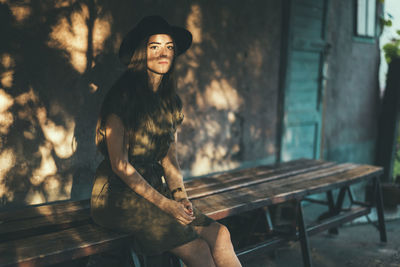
356 245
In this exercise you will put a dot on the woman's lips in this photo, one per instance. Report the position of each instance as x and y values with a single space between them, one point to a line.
163 62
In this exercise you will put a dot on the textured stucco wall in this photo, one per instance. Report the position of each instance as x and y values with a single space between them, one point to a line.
352 93
58 59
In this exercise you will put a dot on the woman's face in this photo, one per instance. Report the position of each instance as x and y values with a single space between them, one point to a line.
160 53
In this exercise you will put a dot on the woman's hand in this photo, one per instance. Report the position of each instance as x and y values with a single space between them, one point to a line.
178 211
188 206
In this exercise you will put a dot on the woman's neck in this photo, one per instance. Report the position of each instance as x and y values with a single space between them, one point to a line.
154 80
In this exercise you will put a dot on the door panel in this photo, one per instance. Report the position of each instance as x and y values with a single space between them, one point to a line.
300 140
301 133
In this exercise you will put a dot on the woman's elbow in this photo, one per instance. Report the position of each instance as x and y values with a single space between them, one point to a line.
118 166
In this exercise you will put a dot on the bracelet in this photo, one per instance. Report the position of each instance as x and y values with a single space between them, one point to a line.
179 189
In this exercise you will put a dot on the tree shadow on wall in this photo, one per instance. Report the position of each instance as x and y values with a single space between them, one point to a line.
51 95
229 82
63 59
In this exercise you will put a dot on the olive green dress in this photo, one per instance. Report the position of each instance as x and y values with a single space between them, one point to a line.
115 206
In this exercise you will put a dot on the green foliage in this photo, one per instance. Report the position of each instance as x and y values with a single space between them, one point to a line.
396 168
386 22
392 49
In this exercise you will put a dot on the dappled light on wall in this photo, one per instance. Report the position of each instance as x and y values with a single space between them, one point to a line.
6 77
255 58
47 165
71 35
61 137
101 31
221 95
212 102
7 161
193 23
6 117
63 3
212 157
20 11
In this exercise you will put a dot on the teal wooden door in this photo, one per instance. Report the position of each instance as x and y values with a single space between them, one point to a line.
302 90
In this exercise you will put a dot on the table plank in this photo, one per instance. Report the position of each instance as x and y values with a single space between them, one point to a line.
243 199
252 177
228 176
315 174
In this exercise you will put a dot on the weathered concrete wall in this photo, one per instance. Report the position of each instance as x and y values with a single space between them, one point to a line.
58 59
352 93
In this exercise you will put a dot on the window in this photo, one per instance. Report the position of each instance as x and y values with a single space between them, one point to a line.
365 18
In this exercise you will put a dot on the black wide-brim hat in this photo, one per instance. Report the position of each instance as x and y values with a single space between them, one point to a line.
148 26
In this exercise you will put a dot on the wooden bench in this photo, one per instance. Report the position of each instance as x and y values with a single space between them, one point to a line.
54 233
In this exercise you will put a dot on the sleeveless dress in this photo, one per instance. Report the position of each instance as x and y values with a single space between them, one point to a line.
117 207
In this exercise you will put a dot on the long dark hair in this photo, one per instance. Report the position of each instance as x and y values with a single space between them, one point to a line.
133 101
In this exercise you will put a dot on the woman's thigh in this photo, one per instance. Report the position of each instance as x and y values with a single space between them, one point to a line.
195 253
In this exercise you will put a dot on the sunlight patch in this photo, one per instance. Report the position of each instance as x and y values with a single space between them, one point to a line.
7 78
47 165
221 95
7 61
62 138
20 13
6 117
194 22
101 31
63 3
35 197
73 37
7 161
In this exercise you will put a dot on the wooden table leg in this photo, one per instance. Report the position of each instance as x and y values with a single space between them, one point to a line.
303 236
331 205
340 199
379 208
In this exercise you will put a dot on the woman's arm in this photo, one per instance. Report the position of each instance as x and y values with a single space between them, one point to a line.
173 175
118 154
174 178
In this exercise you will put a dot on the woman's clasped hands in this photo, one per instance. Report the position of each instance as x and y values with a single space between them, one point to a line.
181 210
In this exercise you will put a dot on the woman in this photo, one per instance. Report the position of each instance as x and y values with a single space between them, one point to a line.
136 133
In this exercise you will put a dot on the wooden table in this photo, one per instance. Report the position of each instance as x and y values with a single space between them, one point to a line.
53 233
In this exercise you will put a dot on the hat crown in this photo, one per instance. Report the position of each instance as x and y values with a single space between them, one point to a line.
154 24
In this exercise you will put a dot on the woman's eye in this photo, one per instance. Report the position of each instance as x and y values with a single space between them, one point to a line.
153 47
171 47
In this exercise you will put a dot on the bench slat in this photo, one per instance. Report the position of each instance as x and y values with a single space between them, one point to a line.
44 224
59 246
48 209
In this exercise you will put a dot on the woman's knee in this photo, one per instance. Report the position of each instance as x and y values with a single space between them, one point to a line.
223 233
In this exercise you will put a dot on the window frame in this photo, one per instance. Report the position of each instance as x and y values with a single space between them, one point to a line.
367 37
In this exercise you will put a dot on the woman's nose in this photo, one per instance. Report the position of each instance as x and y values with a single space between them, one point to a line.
163 51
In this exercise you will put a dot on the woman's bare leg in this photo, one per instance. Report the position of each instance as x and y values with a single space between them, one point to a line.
195 254
218 238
